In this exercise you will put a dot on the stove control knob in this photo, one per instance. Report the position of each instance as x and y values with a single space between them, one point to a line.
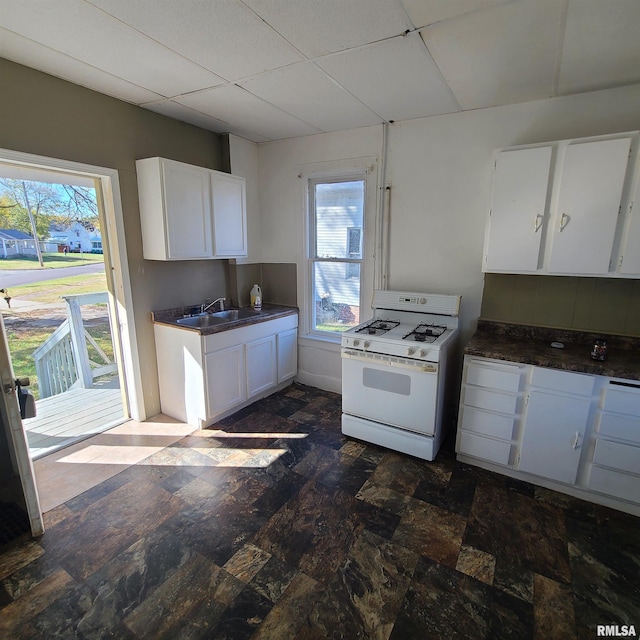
356 343
410 351
423 353
366 345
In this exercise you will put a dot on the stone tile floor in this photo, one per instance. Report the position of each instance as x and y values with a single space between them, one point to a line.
271 524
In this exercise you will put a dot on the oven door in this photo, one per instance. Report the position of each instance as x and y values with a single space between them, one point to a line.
390 390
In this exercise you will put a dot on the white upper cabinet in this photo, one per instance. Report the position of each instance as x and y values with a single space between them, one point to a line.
190 213
566 208
629 262
588 205
514 233
229 215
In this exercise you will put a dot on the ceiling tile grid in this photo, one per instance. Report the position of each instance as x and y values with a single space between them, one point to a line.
273 69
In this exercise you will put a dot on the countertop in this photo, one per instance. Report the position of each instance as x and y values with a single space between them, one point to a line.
532 345
268 312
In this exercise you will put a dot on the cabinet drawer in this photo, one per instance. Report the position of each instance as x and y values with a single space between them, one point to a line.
622 399
490 424
491 400
484 448
503 378
562 381
615 483
624 457
623 427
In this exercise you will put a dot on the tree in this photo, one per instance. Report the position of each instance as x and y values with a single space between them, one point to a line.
32 206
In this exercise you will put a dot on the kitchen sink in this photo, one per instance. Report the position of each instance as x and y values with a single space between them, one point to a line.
201 322
235 314
217 318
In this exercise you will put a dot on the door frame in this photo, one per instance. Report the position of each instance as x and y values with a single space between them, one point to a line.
116 262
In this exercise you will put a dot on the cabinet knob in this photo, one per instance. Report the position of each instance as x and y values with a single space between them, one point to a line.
564 221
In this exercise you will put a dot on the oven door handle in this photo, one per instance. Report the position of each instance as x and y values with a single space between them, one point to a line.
393 361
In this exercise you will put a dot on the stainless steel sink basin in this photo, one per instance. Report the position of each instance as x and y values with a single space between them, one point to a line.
201 322
217 318
235 314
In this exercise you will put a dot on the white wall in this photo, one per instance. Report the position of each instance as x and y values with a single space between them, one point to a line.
243 160
439 169
282 211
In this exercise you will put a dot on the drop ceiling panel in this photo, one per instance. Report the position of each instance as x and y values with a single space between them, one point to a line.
306 92
396 78
223 36
317 28
180 112
78 30
502 55
31 54
601 45
242 109
424 13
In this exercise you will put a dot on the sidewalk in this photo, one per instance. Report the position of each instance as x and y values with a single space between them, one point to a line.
43 314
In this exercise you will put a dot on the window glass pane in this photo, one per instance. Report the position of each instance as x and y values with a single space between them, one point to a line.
337 295
339 219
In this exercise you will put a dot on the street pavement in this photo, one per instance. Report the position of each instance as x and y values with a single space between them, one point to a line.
16 277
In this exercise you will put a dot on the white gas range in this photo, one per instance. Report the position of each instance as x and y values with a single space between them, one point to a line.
394 370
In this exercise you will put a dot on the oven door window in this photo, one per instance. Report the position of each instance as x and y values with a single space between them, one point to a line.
387 380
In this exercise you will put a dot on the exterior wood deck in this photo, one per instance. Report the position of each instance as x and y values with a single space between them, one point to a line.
72 416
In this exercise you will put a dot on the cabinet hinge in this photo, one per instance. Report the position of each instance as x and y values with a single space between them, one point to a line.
620 261
526 400
518 460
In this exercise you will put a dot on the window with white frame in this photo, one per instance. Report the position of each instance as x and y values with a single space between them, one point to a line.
336 258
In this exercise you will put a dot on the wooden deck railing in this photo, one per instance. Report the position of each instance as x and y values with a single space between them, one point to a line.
62 361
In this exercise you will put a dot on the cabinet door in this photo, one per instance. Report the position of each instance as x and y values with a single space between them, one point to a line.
226 385
588 205
521 180
187 211
630 259
287 345
229 215
261 365
553 435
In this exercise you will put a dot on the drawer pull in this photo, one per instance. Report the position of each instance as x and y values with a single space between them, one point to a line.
631 385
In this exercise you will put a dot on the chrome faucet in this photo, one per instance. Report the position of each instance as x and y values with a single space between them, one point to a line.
205 306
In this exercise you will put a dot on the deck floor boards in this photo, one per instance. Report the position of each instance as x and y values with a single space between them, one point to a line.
71 416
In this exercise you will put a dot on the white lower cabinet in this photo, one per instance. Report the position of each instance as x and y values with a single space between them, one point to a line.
569 431
554 431
225 375
287 349
261 365
616 455
491 402
203 378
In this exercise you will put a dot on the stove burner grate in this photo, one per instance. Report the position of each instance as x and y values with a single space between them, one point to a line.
425 333
378 327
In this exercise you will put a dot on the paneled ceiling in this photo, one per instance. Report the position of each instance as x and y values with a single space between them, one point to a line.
274 69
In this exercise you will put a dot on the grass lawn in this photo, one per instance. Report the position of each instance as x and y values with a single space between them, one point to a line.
52 290
24 340
51 261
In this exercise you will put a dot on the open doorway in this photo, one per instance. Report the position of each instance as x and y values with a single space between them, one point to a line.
57 313
119 300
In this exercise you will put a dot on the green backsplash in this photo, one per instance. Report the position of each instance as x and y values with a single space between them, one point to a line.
607 305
